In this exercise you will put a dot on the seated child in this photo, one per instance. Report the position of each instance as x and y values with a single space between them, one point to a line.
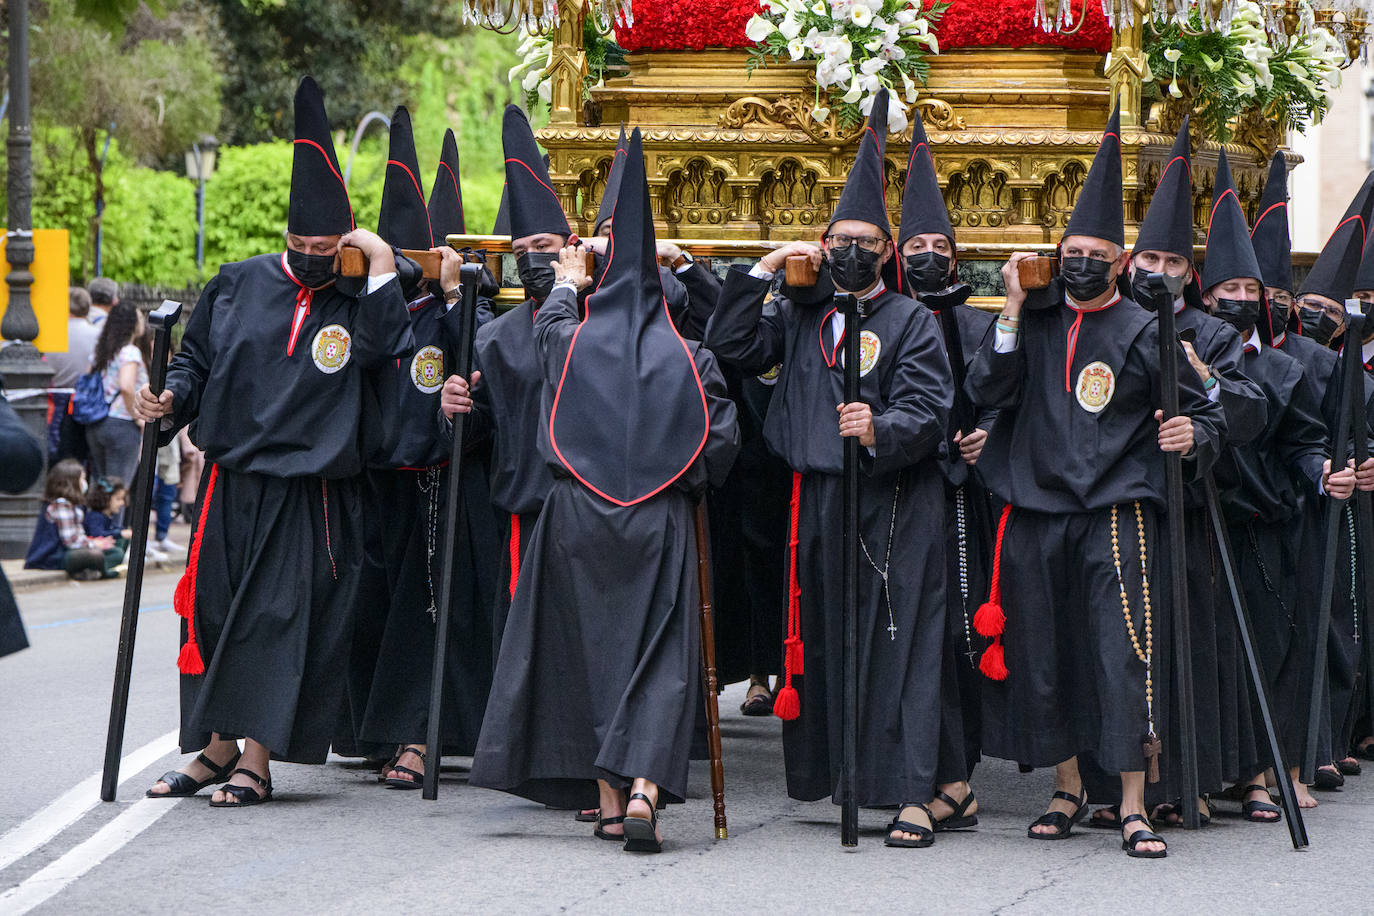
105 502
59 539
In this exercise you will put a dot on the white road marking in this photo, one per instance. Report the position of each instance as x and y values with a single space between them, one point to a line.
69 807
47 883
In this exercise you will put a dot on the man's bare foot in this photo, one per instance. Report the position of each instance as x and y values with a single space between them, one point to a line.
219 751
1131 829
1305 799
1171 813
411 759
255 759
941 810
1062 806
912 814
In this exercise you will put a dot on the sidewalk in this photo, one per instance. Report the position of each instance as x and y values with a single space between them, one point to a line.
27 580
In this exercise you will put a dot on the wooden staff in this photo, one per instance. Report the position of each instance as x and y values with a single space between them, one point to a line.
708 664
1362 562
1288 799
1165 289
471 275
1335 513
849 804
353 263
162 321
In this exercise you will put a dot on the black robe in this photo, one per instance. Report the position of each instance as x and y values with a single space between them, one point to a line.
901 526
404 496
1076 442
599 671
274 394
21 461
968 552
1263 485
509 398
748 515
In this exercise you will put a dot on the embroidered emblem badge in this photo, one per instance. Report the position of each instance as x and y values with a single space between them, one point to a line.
331 349
770 378
870 347
427 369
1096 385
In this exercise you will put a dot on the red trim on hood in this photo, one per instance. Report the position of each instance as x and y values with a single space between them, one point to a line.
342 183
420 193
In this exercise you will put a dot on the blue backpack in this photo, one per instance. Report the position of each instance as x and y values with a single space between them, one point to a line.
88 399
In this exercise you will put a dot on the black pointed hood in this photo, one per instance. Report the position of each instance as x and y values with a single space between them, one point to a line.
404 220
1168 223
1099 212
319 198
629 415
446 195
534 206
923 206
1229 254
864 196
613 177
1269 236
1333 274
502 224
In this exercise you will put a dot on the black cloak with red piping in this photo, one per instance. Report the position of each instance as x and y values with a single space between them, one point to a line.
319 198
865 190
613 177
446 195
1168 223
1333 274
629 414
1269 235
533 204
1099 211
1229 252
404 219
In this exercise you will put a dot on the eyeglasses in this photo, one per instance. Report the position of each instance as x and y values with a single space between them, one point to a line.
1283 299
1334 312
866 242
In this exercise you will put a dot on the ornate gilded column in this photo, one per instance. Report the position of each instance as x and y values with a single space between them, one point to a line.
1128 65
568 68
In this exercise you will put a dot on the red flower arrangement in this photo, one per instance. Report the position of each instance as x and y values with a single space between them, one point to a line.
672 24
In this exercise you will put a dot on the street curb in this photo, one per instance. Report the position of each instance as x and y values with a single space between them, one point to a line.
32 580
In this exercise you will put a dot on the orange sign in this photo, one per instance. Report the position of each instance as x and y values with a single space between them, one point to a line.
49 291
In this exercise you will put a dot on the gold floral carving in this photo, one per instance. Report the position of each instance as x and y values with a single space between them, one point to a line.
793 113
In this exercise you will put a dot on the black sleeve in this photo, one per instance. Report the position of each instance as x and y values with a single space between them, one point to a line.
739 333
1243 402
381 326
1301 437
190 368
723 440
1209 420
912 426
995 379
21 455
703 292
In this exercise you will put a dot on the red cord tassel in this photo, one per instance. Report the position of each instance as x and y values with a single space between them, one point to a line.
514 553
787 703
189 661
991 620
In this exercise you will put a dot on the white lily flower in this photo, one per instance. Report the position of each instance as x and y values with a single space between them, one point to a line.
871 66
1174 90
789 27
854 94
820 114
531 80
758 28
1172 55
866 106
909 87
819 8
861 15
896 117
795 49
546 91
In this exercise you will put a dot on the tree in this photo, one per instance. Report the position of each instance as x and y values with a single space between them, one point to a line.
156 95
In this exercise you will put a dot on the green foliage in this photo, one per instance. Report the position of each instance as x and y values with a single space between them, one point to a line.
150 227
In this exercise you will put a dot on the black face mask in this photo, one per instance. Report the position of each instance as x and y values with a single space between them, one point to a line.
536 273
1141 292
1278 319
853 269
1241 314
927 271
312 270
1085 278
1318 325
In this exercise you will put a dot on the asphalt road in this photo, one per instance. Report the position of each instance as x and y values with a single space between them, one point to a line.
335 840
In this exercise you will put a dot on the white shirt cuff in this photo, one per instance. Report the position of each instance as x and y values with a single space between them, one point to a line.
1214 392
1005 341
376 283
565 284
758 273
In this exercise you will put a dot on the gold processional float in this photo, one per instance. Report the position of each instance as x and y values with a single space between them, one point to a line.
743 156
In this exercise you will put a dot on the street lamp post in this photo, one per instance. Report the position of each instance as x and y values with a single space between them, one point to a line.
200 165
21 365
